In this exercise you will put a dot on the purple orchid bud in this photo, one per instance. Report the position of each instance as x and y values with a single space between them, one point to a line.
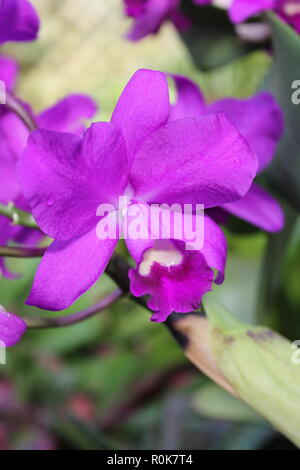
12 328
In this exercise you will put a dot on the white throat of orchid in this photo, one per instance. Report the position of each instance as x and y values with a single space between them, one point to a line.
291 8
164 253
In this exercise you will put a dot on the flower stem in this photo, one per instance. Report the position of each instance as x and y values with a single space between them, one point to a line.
20 110
22 252
18 216
186 331
77 317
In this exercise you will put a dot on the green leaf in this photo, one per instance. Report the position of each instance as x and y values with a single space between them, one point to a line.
246 437
220 317
84 436
214 402
261 366
279 279
285 171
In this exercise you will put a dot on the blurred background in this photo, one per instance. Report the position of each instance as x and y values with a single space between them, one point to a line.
117 381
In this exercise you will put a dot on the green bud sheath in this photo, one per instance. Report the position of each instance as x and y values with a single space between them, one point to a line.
259 364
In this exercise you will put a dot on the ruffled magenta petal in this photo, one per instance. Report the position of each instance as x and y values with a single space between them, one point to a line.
178 288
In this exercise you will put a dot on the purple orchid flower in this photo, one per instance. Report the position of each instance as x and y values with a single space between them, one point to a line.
242 10
149 15
12 328
288 10
18 21
260 120
67 115
142 155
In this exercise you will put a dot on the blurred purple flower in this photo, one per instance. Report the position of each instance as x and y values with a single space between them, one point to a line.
260 120
242 10
149 15
18 21
12 328
67 115
142 155
288 10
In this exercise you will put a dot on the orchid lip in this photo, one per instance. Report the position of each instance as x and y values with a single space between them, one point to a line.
164 253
